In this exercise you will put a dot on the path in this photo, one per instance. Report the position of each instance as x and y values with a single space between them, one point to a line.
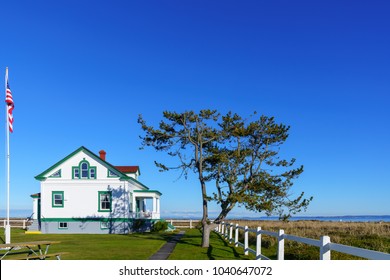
167 248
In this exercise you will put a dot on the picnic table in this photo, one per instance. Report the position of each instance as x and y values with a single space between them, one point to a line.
35 250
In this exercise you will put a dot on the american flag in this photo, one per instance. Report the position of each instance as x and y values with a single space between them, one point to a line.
10 107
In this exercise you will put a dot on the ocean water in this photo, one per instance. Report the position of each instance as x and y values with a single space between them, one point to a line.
350 218
341 218
15 213
360 218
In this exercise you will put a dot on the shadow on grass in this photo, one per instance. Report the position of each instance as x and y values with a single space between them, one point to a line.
219 249
228 248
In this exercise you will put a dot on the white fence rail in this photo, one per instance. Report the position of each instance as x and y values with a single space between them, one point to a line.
183 223
21 223
324 243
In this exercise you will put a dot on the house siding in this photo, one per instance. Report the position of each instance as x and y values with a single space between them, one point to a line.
87 226
81 209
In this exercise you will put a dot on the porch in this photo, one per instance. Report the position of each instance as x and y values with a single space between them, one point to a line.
146 204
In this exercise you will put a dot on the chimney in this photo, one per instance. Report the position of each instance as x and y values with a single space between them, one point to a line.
102 154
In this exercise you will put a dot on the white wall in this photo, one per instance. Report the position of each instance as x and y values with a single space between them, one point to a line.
81 195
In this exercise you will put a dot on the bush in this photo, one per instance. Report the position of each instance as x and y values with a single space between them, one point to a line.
138 225
160 226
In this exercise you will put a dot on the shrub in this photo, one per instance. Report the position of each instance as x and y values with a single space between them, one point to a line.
159 226
138 225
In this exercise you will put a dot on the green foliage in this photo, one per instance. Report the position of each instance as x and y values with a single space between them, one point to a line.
188 248
138 225
159 226
239 156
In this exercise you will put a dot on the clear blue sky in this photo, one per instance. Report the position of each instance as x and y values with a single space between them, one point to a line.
82 71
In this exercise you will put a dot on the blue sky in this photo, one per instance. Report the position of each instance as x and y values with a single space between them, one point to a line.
82 71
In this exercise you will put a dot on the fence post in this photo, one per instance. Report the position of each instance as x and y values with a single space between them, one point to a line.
258 243
281 245
236 236
223 228
246 242
324 248
190 224
24 224
231 233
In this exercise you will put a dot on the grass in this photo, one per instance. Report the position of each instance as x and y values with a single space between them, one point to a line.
188 248
99 246
137 246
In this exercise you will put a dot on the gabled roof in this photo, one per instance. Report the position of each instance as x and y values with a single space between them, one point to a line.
128 169
121 174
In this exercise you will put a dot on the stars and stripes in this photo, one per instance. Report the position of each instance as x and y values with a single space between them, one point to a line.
10 107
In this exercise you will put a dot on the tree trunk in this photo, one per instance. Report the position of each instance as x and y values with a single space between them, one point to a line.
206 235
205 219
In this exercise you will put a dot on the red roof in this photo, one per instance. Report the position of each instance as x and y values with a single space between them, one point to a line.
127 169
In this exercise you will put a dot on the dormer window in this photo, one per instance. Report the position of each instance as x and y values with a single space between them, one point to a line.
84 171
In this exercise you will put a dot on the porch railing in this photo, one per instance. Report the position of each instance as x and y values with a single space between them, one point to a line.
145 215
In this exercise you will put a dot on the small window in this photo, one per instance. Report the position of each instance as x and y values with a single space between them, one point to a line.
58 199
62 225
76 172
105 201
92 173
56 174
112 174
104 225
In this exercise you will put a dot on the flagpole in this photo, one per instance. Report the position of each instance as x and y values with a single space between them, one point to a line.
7 226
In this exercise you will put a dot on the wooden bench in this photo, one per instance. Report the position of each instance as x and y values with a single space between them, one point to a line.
33 249
39 257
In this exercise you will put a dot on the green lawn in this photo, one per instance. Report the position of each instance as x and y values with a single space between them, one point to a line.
99 246
188 248
137 246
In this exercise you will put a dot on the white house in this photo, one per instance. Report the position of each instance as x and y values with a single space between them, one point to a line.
83 193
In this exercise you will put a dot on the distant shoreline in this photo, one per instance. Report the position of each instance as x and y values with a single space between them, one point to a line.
346 218
23 214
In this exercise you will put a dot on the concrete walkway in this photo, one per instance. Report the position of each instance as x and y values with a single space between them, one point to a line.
167 248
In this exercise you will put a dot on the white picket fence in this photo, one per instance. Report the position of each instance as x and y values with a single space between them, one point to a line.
19 223
232 233
183 223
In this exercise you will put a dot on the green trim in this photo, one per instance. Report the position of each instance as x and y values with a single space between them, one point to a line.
43 175
56 174
92 168
53 193
111 176
99 201
37 195
62 228
148 191
86 219
74 168
106 227
80 171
